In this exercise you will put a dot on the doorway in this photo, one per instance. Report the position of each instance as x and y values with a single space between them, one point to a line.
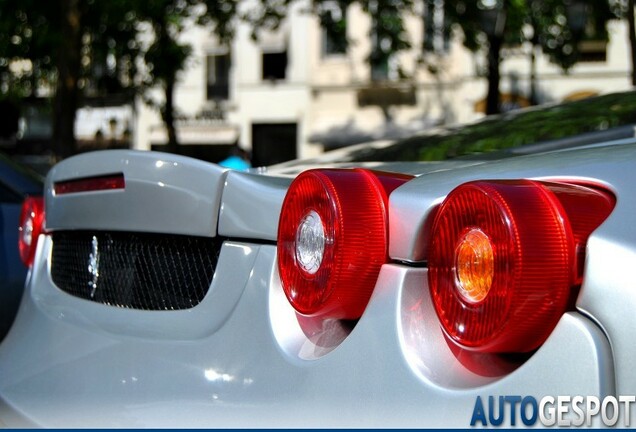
273 143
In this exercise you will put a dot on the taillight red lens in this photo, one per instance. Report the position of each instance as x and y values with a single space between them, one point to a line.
332 239
90 184
31 224
503 259
587 207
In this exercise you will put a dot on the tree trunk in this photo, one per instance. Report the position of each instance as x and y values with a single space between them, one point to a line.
534 99
168 116
494 58
632 37
68 71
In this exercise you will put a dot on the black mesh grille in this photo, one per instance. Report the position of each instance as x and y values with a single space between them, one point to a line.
134 270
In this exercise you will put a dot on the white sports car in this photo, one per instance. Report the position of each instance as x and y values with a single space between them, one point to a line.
169 292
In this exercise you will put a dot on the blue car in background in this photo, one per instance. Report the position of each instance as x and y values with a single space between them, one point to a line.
16 184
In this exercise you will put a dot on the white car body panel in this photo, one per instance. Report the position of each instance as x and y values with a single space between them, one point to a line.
241 359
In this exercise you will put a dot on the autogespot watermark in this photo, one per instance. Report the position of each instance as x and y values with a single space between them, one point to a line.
559 411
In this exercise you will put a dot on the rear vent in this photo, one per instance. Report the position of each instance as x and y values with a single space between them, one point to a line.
134 270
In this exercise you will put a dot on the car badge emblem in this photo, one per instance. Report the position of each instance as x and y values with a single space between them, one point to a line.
93 266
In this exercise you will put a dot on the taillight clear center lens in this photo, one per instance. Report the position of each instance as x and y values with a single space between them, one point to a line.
474 265
30 227
26 230
332 239
310 242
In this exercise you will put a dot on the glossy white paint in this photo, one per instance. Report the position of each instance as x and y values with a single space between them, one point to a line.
253 371
164 193
262 195
412 204
243 358
186 324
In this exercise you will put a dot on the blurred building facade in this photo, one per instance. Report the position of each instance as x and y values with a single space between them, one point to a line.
298 91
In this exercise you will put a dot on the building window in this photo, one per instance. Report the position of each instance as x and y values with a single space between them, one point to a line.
589 29
274 65
594 51
274 143
334 28
388 36
218 80
436 28
380 70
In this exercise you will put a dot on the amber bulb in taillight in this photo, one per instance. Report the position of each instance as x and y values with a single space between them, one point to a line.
503 259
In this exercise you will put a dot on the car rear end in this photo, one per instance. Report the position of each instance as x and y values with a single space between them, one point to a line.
156 300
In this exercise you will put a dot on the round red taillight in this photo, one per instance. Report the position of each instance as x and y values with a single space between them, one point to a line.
502 257
31 224
332 239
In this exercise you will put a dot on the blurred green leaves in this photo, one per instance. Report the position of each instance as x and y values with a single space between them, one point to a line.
513 129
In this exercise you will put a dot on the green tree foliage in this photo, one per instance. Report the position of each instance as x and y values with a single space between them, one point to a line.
561 26
557 26
387 34
84 48
551 24
71 48
165 56
25 34
90 48
510 130
624 9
